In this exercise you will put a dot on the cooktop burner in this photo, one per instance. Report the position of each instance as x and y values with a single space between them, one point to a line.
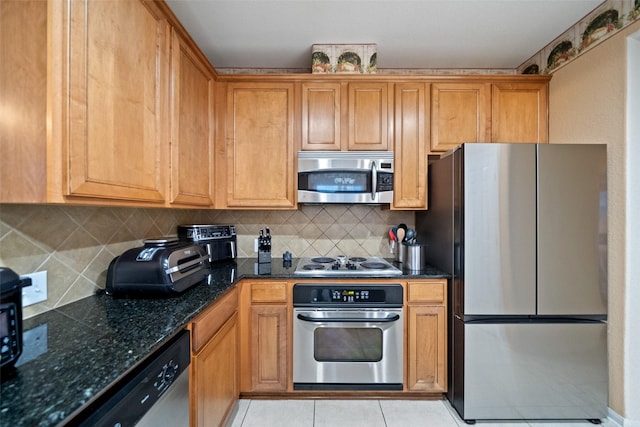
346 266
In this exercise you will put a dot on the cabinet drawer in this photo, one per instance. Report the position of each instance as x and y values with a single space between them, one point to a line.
421 292
209 322
269 292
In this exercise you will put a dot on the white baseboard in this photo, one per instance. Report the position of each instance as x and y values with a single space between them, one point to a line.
613 416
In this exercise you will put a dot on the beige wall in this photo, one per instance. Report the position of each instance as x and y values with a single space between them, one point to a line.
587 105
75 244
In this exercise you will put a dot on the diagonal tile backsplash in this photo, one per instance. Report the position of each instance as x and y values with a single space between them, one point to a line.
76 244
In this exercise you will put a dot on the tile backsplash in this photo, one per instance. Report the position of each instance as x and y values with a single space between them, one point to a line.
76 244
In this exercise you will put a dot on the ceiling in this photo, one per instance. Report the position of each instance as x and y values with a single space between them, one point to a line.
408 33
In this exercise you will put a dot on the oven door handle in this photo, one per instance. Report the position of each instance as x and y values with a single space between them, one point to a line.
390 318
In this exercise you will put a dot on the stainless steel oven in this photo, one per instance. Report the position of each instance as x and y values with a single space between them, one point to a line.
348 337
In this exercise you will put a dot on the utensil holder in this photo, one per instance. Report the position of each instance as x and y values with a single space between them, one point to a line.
415 258
401 252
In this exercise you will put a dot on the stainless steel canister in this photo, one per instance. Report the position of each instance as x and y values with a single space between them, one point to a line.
415 258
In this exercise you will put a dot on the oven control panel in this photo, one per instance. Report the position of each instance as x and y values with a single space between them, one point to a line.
354 295
322 295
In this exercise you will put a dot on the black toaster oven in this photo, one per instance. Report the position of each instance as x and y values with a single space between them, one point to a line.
219 241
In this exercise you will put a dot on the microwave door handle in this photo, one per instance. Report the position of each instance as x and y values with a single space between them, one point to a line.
232 247
374 180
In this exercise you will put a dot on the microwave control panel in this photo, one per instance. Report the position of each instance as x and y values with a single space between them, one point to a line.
385 181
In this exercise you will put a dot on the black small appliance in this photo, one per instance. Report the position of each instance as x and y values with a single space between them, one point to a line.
11 316
219 241
163 266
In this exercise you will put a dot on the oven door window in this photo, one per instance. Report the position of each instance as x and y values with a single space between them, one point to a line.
334 181
347 344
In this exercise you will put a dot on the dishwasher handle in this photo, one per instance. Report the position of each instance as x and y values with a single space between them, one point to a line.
388 319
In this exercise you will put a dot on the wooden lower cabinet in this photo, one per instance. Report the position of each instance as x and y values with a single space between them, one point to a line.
426 343
268 348
264 334
426 349
215 383
214 362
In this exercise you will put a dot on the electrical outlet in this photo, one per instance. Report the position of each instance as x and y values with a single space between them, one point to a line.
255 245
37 292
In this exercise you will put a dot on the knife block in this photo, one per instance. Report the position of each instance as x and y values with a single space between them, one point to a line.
264 256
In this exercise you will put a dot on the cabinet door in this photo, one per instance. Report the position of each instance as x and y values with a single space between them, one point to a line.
191 127
410 179
427 349
368 116
268 347
214 376
23 99
260 145
519 112
321 119
115 100
459 113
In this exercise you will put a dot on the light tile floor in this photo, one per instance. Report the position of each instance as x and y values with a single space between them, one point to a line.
368 413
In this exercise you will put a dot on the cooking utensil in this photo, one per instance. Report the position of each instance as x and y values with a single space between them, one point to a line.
410 236
400 234
392 236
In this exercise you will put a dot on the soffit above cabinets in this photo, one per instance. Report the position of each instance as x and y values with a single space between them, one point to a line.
421 34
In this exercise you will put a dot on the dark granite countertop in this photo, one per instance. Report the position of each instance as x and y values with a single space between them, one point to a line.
77 351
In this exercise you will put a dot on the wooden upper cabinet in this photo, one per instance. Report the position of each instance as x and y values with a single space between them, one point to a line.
321 116
410 154
191 127
368 116
260 145
114 102
459 114
23 88
346 116
519 112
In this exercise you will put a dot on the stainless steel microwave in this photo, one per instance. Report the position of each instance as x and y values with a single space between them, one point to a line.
345 177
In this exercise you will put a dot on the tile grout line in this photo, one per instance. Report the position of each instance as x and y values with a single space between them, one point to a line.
246 411
384 419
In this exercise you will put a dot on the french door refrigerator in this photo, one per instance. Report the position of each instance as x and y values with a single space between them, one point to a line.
522 228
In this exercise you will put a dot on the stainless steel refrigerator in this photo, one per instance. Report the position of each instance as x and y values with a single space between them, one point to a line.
522 228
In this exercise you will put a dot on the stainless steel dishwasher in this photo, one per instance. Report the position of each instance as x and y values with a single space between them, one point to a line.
156 393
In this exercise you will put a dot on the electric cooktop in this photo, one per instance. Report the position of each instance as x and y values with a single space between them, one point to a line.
346 266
